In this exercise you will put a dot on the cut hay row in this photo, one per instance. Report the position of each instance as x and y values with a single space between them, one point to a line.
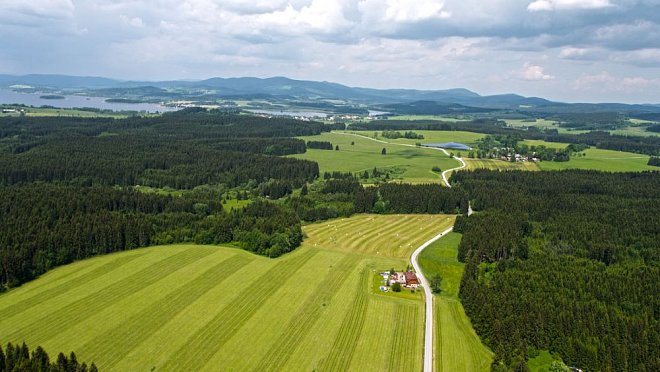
64 286
393 236
343 348
55 322
115 344
201 347
406 336
497 164
385 239
303 321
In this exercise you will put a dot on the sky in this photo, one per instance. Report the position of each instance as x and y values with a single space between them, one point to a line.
566 50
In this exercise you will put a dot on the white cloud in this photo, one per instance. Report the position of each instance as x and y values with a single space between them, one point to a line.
535 73
549 5
402 11
38 8
132 21
649 57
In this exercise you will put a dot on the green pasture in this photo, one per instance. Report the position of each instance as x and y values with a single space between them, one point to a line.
457 346
430 136
497 164
365 154
190 307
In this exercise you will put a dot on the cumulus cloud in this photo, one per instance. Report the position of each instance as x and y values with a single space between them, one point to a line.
535 73
549 5
38 8
482 45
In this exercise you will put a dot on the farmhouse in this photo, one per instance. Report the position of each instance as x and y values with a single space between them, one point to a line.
411 280
407 279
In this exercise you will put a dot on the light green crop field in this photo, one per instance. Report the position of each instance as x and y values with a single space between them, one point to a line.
365 154
497 164
189 307
368 233
431 136
457 346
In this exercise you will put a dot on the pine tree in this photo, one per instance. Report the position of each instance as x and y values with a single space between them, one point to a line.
2 360
383 151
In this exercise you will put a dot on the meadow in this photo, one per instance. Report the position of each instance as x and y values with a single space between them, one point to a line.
596 159
497 164
190 307
457 346
411 164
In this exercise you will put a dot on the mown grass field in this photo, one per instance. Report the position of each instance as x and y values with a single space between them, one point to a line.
499 164
368 234
457 346
188 307
365 154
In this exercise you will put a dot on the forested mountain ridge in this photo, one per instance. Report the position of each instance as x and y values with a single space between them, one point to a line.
566 261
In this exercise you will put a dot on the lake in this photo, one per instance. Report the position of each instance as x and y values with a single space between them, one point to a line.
8 96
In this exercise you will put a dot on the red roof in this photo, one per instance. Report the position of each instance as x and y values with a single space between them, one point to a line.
411 277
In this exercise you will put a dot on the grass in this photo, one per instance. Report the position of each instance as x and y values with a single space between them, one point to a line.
190 307
432 136
457 346
415 163
369 235
541 363
497 164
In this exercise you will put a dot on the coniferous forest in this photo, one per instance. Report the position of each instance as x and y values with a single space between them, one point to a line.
15 358
71 188
565 261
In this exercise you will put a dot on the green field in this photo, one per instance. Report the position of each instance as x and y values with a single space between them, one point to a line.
497 164
597 159
415 163
457 346
431 136
188 307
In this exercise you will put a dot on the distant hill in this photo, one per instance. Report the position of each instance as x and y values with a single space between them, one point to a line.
290 89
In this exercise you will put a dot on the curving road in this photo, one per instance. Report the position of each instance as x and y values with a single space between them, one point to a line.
428 326
444 174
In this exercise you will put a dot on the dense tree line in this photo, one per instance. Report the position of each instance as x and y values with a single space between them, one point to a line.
129 160
591 120
393 134
654 160
345 196
19 359
320 145
566 261
653 128
46 225
66 185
